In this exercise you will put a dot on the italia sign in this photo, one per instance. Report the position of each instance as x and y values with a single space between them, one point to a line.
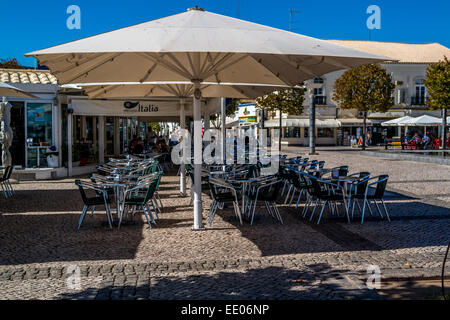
139 107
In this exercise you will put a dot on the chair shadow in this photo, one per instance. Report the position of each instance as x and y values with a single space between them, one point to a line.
298 235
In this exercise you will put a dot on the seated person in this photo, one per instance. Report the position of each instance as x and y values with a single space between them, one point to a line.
162 147
139 147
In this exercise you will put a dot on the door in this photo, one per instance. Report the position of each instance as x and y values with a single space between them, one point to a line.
17 148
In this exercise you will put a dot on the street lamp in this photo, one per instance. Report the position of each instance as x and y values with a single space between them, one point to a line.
312 116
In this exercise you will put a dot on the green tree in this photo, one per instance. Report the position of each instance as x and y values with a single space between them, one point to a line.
364 88
438 87
156 126
231 109
288 101
10 63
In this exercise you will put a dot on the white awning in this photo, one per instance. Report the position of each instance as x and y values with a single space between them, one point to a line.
354 122
302 123
154 109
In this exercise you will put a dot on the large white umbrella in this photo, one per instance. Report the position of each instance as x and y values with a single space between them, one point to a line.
424 120
7 90
197 47
396 122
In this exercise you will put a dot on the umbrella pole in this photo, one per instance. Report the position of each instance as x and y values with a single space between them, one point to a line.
312 124
182 164
223 109
198 215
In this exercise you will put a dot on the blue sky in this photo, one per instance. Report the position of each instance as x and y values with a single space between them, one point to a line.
29 25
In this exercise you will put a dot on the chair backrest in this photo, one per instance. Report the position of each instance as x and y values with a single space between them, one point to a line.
343 171
362 186
82 192
381 186
321 164
7 173
271 191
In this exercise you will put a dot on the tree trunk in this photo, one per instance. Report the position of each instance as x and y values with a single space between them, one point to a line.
364 131
281 132
444 130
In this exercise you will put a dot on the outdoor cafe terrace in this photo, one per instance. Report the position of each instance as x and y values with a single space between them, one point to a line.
39 229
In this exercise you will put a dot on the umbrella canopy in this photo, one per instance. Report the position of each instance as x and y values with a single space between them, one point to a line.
7 90
202 46
424 120
396 122
178 89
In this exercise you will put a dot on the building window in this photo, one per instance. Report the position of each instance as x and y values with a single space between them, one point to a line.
292 132
39 132
318 91
325 133
419 90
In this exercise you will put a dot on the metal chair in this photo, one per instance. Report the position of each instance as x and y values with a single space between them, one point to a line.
375 191
222 192
101 198
266 191
7 188
140 196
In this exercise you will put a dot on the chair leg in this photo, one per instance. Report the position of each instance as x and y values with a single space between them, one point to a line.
364 210
146 217
12 189
83 213
299 198
321 211
160 201
238 210
370 208
156 203
287 195
216 206
284 187
8 188
108 214
4 192
253 213
92 211
314 210
378 209
306 207
155 206
385 210
150 213
274 204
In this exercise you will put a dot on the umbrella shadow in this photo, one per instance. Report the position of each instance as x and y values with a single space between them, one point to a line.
313 282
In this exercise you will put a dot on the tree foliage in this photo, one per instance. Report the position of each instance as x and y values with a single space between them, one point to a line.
230 111
10 63
365 88
438 84
155 126
288 101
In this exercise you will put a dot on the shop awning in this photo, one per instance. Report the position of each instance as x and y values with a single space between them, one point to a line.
354 122
166 110
302 123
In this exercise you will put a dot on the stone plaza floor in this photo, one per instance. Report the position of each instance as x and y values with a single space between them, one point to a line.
39 243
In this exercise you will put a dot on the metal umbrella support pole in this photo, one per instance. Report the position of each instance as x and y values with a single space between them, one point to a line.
198 214
312 124
182 164
223 112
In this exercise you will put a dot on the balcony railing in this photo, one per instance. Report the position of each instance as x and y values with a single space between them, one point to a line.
320 100
418 100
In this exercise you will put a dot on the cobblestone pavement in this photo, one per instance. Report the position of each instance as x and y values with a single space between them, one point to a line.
297 260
